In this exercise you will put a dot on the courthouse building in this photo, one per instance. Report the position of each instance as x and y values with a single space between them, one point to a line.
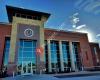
27 47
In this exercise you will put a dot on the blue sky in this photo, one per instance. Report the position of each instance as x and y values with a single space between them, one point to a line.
62 12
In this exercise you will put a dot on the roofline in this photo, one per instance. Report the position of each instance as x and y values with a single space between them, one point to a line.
45 13
5 23
65 31
10 9
93 43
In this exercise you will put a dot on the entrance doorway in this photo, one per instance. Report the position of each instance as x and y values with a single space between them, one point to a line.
26 67
27 57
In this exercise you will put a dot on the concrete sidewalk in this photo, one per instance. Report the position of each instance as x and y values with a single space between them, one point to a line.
76 74
31 77
62 76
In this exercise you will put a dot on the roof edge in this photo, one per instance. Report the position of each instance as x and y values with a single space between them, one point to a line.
65 31
5 23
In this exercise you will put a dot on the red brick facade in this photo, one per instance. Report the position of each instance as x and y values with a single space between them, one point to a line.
5 31
86 49
95 53
74 37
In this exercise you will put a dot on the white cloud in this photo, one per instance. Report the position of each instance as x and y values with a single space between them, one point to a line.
96 4
78 2
76 14
74 26
97 12
81 26
89 5
98 35
92 6
61 26
76 20
82 3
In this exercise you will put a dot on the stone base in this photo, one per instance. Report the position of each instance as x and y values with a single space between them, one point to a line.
11 69
40 68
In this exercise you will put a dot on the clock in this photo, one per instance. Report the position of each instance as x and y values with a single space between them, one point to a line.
28 32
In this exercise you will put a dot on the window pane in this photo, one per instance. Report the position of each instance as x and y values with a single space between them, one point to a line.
27 51
6 51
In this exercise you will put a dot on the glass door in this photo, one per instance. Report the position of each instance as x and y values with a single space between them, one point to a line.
26 67
27 57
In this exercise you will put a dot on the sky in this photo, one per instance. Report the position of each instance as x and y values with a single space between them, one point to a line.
73 15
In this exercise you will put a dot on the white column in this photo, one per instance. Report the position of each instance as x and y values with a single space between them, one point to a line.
31 68
49 56
22 68
72 56
61 56
26 67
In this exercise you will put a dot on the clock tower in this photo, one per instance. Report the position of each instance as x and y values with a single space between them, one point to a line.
26 36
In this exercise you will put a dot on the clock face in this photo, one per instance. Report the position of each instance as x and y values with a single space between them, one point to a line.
28 32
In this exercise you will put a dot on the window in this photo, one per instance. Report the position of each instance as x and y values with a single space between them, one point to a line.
23 15
6 51
54 49
95 50
36 17
18 15
86 55
29 17
46 55
27 51
77 60
66 55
